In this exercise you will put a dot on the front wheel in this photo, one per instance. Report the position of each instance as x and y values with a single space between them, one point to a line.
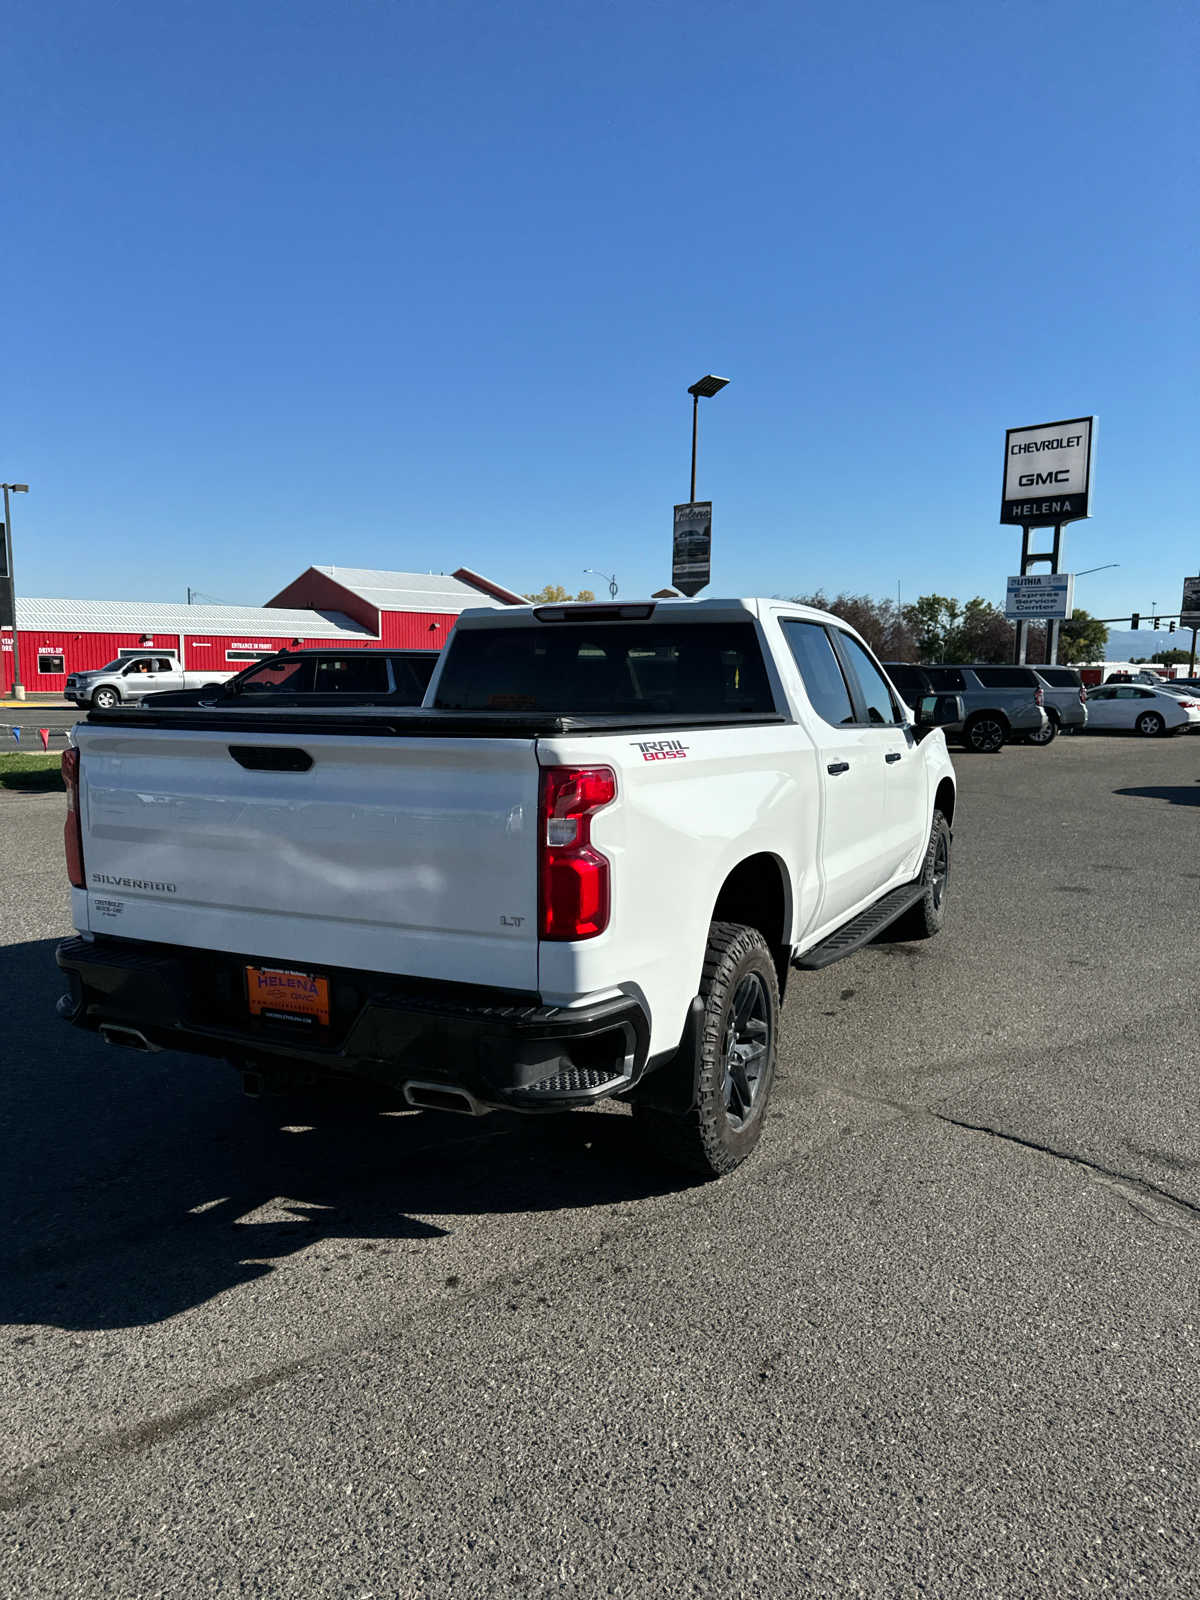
1150 724
106 699
736 1058
926 917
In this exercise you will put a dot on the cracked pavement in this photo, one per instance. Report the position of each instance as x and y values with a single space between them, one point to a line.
938 1338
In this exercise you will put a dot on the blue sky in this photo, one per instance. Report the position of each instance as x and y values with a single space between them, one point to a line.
417 285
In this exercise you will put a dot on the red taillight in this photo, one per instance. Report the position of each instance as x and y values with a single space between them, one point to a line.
572 877
1040 696
73 829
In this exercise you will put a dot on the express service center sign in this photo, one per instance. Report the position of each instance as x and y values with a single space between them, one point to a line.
1041 596
1048 473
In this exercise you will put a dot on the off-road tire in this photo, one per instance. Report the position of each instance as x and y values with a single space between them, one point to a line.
708 1139
111 698
926 917
984 733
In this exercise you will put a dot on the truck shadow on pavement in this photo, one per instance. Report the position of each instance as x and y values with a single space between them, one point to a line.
134 1187
1174 794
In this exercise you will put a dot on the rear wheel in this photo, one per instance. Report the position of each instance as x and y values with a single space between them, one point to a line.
1044 735
1150 724
985 733
736 1066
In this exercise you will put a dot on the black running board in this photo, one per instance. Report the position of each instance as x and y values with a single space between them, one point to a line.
860 930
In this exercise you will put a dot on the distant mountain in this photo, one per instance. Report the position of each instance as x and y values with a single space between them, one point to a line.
1124 644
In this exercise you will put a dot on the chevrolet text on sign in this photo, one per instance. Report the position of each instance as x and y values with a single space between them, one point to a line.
1048 473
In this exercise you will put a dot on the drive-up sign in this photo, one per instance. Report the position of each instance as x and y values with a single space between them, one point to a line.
1048 473
1044 596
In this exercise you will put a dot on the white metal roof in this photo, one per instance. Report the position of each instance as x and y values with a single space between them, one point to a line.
136 616
408 591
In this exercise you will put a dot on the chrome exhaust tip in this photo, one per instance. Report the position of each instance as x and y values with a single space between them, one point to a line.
129 1038
442 1097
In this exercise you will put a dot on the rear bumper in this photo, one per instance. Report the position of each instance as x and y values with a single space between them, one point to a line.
502 1050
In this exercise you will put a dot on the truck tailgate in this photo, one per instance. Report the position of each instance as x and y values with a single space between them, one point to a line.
402 855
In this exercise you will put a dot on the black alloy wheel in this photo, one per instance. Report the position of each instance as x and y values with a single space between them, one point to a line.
984 734
746 1049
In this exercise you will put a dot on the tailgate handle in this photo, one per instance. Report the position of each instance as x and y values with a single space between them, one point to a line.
270 758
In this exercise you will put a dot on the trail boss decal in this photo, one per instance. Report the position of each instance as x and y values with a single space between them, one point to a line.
661 749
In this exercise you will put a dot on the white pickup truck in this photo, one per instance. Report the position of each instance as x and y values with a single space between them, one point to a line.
583 868
133 677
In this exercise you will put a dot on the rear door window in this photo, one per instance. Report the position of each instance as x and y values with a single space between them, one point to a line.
824 682
1060 677
277 677
946 680
355 674
608 668
1005 677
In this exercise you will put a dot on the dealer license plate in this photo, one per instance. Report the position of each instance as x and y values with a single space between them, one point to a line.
290 996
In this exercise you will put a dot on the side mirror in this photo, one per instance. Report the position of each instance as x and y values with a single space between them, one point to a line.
940 710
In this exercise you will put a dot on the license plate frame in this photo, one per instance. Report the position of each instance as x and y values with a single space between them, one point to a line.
287 994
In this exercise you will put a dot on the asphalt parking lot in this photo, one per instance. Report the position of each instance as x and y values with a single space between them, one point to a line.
940 1337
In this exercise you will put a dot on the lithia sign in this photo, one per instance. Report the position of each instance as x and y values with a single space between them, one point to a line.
1048 473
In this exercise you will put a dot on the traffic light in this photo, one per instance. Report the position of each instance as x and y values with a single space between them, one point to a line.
1171 628
1156 624
1134 620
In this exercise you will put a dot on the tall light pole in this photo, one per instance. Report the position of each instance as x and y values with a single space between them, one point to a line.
706 386
608 578
18 688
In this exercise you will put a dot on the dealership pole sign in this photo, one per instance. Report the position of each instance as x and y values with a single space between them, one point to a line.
691 553
1189 611
1048 473
1040 597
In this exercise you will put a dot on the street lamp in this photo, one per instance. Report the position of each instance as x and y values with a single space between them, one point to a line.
706 386
18 688
1104 568
610 581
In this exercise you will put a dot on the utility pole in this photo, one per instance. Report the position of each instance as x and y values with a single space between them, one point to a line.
18 688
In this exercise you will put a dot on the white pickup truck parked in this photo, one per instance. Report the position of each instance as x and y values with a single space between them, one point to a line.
133 677
583 868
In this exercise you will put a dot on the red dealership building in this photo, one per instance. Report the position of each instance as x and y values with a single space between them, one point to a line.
354 606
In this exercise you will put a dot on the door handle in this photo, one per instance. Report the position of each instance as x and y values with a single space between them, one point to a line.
892 755
835 767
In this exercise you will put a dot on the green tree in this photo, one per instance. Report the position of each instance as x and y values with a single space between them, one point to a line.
945 630
554 593
1172 658
985 633
1084 638
933 621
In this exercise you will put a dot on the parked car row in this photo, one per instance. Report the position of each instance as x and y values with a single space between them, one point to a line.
1004 704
